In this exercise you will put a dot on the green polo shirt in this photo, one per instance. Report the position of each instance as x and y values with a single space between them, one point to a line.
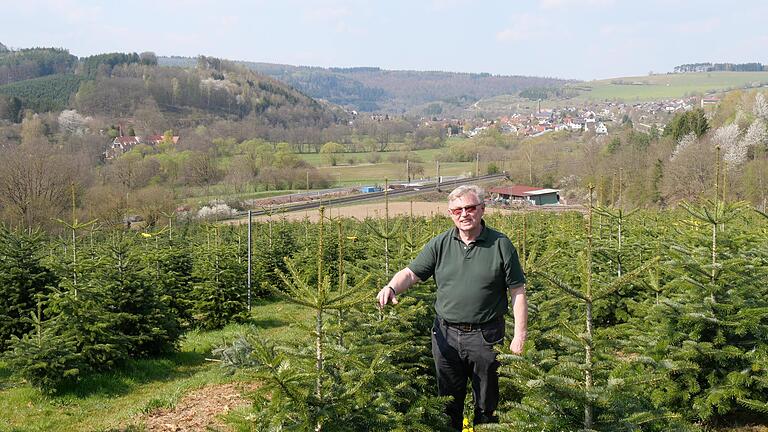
472 280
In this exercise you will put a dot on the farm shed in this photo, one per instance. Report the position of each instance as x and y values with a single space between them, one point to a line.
544 196
533 195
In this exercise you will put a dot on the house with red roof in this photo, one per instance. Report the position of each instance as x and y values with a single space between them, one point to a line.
124 144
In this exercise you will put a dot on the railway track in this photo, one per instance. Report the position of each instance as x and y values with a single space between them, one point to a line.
411 190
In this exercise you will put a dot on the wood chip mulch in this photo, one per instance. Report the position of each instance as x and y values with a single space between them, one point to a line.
200 410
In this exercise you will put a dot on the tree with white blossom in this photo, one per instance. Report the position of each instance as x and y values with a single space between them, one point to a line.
734 149
685 142
756 134
760 109
73 122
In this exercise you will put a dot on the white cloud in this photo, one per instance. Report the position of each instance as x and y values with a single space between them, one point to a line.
523 27
338 16
566 4
71 11
442 5
331 13
697 27
229 20
625 30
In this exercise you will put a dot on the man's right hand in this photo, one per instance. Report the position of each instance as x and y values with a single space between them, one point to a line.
386 295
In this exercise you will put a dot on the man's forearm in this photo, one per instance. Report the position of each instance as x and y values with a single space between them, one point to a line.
403 280
519 310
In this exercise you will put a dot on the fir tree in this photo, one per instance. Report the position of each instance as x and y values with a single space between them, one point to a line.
272 243
168 265
22 277
44 357
352 386
711 328
219 289
143 319
565 378
84 314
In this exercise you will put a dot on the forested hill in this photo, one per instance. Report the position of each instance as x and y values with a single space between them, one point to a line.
33 63
375 89
122 85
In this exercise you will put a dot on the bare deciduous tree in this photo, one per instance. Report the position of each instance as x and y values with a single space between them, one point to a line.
691 173
151 203
201 170
107 204
35 186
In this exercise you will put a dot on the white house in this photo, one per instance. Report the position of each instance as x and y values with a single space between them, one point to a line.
601 129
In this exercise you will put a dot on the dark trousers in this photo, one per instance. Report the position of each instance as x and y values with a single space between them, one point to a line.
462 353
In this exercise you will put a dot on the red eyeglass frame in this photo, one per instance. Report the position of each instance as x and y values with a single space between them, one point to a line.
469 209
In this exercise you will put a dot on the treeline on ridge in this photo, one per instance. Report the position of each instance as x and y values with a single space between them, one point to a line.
117 84
721 67
375 89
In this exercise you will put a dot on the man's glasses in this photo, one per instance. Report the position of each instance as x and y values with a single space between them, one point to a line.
469 209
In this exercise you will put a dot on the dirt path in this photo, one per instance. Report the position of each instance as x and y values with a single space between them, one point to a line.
374 210
199 410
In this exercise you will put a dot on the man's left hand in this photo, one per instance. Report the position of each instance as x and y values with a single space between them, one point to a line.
516 346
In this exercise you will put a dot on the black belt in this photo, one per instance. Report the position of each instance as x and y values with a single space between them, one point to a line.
472 326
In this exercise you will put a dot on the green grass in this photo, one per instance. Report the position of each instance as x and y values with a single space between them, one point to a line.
375 174
642 88
199 196
365 173
672 85
110 400
319 160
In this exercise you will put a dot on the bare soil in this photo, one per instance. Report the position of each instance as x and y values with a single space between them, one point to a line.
397 208
200 410
373 210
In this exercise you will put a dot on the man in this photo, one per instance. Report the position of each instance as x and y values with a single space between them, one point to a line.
474 267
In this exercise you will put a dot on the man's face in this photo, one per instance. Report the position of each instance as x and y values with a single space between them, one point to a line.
466 212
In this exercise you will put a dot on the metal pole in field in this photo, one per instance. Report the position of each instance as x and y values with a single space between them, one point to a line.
250 219
408 170
437 174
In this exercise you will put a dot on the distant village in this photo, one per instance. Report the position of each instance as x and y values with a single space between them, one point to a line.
597 118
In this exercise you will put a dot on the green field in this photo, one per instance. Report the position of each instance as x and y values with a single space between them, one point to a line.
363 172
198 195
670 86
640 88
319 160
375 174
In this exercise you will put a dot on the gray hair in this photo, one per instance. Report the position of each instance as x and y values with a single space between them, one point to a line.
465 189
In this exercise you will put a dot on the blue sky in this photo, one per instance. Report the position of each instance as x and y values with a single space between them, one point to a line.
582 39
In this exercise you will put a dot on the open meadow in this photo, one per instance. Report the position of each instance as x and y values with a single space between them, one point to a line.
669 86
363 171
637 89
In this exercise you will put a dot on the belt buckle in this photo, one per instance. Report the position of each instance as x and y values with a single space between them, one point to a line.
466 327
